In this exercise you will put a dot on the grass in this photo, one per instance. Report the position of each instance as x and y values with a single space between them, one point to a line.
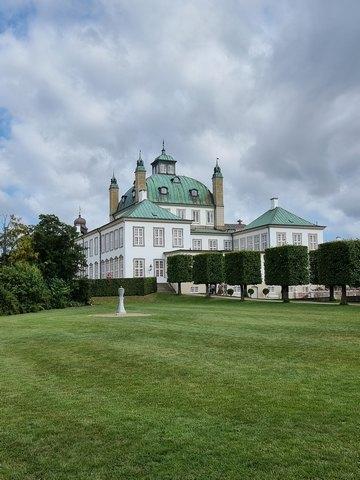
200 389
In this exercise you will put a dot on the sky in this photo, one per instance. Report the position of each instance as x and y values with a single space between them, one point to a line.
272 88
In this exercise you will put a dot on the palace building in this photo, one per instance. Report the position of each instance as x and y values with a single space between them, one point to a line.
167 213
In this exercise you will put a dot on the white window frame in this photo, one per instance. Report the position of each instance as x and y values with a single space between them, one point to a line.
159 267
116 239
227 245
181 212
242 243
139 267
103 243
257 243
264 241
158 236
213 244
121 237
313 241
107 242
177 237
250 242
121 266
96 270
138 236
195 216
297 238
196 244
86 249
91 247
209 217
96 246
280 239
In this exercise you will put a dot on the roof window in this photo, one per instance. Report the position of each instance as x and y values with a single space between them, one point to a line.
163 190
194 193
175 180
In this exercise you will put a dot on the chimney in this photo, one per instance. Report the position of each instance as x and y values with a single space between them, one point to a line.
274 202
142 195
218 194
140 178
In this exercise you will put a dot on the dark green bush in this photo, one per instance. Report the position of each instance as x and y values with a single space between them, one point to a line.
251 291
108 287
179 269
8 302
230 291
266 291
59 293
80 291
208 268
27 285
242 268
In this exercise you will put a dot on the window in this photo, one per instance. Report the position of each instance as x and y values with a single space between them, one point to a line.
111 267
102 269
176 180
236 244
111 240
250 243
121 237
257 242
194 193
177 237
195 216
91 247
180 212
213 244
313 241
264 242
138 237
159 268
210 217
297 238
116 239
121 266
102 243
91 270
96 246
107 268
123 199
194 289
170 169
280 238
162 168
116 267
86 249
139 267
107 242
159 237
133 193
196 244
227 245
242 243
163 190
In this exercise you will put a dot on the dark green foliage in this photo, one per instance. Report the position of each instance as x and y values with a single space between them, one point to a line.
250 291
266 291
58 254
179 269
59 293
243 268
230 291
27 285
339 264
314 267
208 268
80 290
287 265
8 302
109 287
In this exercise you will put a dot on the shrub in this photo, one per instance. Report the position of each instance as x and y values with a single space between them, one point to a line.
242 268
59 293
208 268
108 287
251 291
287 265
179 269
80 291
8 302
27 285
230 291
266 291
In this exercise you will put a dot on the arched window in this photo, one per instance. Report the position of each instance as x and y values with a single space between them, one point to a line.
96 270
91 270
102 266
116 267
121 266
194 193
112 267
107 267
163 190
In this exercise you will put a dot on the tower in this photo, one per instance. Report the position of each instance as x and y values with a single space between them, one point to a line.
140 179
218 193
113 197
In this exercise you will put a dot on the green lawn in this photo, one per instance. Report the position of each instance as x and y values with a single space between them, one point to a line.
201 389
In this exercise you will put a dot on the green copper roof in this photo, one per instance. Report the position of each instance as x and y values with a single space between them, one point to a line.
217 170
278 216
140 164
147 209
178 192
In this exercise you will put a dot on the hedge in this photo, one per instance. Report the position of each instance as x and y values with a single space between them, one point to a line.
208 268
243 268
179 269
109 287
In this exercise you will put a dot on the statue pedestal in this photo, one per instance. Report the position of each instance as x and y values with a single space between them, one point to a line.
121 309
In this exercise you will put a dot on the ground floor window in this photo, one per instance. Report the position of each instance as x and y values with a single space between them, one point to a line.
102 269
96 270
139 267
213 244
159 268
196 244
227 245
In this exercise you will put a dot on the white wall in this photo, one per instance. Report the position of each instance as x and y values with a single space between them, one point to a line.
289 232
205 237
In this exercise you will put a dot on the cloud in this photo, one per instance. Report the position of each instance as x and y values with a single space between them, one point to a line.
269 87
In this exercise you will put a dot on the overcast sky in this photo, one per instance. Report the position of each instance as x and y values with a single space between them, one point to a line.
272 88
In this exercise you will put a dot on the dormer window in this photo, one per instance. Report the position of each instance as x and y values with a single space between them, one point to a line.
123 199
194 193
133 193
175 180
163 190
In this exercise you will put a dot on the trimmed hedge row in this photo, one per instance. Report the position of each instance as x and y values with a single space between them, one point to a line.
108 287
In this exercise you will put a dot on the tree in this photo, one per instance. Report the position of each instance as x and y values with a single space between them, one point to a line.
314 273
285 266
339 264
243 268
58 253
12 233
266 291
208 268
179 269
250 292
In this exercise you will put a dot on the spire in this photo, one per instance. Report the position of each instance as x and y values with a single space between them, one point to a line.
217 170
113 181
140 164
163 149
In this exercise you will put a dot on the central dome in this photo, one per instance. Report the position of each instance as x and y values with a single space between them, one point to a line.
167 189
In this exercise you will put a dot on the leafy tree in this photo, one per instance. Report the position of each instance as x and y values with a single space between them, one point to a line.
230 291
266 291
179 269
339 264
251 291
55 243
8 302
23 251
243 268
314 273
285 266
12 233
208 268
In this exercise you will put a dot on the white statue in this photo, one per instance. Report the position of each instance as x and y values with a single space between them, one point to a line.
121 309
